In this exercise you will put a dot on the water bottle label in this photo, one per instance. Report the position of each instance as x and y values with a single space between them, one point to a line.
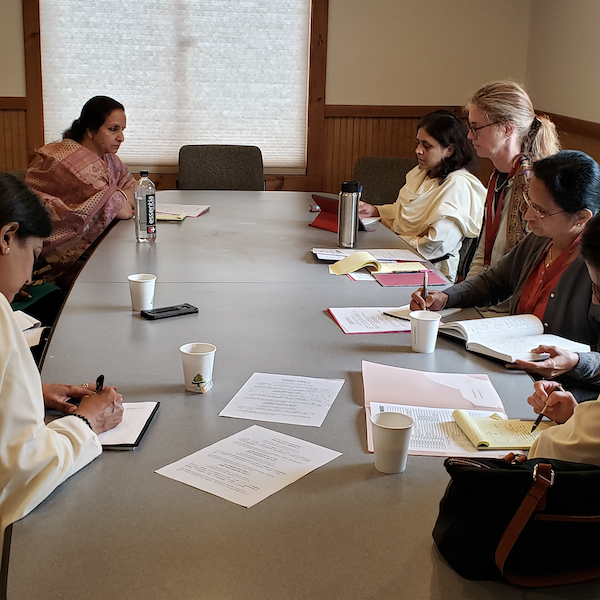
150 208
151 229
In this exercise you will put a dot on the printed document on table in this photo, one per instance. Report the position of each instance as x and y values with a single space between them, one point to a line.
249 466
284 399
436 433
189 210
409 387
368 320
380 254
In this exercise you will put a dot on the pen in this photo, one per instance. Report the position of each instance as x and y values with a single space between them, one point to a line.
541 415
424 292
100 383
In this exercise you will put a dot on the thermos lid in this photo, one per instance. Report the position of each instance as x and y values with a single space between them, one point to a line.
350 187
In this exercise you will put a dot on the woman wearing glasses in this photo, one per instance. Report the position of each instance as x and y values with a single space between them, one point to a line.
578 439
503 127
545 274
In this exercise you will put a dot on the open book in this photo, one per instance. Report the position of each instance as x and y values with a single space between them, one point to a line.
508 338
362 259
496 433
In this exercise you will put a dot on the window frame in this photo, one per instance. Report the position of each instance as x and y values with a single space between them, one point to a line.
315 150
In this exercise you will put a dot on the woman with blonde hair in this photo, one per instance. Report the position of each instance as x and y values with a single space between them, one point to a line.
504 127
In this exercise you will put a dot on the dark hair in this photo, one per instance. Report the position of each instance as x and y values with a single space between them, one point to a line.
19 204
573 180
590 243
93 114
447 129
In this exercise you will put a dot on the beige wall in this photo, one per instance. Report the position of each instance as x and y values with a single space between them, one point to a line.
412 52
416 52
563 65
12 57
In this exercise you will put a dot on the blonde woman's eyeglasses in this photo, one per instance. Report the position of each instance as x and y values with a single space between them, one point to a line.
475 130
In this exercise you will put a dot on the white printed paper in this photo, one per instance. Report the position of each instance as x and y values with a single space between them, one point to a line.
436 433
249 466
284 399
188 210
368 320
380 254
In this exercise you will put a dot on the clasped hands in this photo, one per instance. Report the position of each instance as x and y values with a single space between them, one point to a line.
103 410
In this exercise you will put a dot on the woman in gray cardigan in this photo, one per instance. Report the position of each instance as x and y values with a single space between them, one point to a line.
545 274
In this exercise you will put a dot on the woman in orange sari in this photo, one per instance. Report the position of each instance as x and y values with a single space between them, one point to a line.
84 186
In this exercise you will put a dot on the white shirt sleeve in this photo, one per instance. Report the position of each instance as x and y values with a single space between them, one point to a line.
35 458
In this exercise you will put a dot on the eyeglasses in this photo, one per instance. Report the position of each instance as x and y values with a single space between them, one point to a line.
539 211
474 130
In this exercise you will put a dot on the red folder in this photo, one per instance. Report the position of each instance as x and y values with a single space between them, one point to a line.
328 217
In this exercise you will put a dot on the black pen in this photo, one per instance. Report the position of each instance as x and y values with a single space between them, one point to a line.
100 383
424 292
559 388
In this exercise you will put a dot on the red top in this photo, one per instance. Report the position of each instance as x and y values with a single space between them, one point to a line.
542 280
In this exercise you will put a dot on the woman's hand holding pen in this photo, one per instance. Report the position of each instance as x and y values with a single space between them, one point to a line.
433 301
561 361
104 409
560 404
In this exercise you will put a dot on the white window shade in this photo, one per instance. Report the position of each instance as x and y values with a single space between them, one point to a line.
187 72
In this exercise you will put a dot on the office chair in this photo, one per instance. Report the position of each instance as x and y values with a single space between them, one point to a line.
382 177
215 167
466 254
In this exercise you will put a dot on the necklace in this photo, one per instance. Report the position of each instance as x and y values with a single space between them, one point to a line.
549 257
499 187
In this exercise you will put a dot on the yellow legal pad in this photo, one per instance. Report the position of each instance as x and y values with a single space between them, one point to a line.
359 260
496 433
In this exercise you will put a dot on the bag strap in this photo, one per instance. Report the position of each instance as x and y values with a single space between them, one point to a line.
543 479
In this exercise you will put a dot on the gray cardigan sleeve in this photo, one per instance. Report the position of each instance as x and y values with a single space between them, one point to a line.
588 368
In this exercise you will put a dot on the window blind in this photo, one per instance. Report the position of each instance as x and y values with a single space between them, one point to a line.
187 72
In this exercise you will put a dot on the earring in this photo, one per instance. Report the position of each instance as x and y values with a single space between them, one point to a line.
90 134
7 251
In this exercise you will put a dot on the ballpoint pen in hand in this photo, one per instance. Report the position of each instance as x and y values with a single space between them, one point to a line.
559 388
100 383
424 292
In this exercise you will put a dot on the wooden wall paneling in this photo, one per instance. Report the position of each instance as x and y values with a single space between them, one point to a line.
3 161
13 139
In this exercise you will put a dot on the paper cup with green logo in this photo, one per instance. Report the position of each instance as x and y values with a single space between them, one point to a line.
198 360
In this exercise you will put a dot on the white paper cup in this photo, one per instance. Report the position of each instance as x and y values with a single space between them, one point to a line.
424 325
141 288
391 435
198 360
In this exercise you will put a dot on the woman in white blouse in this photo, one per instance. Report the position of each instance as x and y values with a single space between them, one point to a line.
442 201
34 457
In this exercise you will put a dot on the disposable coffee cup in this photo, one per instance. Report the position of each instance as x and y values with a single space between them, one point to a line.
141 288
198 361
391 436
424 325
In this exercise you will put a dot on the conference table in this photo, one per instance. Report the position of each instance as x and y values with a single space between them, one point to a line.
118 530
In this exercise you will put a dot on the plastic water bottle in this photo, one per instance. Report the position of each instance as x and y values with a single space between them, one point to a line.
145 209
348 214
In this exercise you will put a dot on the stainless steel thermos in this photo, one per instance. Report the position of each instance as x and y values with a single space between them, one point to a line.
348 214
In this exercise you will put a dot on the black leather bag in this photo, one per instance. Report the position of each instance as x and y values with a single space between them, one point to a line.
534 522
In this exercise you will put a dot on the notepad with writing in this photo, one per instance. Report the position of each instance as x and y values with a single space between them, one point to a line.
128 434
508 338
496 433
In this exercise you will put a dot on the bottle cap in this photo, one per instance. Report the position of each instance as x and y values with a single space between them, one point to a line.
143 173
350 187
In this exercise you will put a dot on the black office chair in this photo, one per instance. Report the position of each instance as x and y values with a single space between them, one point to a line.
214 167
382 177
466 254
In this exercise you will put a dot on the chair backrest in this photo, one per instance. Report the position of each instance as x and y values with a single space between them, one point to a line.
213 167
382 177
466 254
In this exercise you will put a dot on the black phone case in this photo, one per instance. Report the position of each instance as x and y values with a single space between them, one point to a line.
169 311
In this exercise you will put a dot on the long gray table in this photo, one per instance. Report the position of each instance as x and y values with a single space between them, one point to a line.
118 530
